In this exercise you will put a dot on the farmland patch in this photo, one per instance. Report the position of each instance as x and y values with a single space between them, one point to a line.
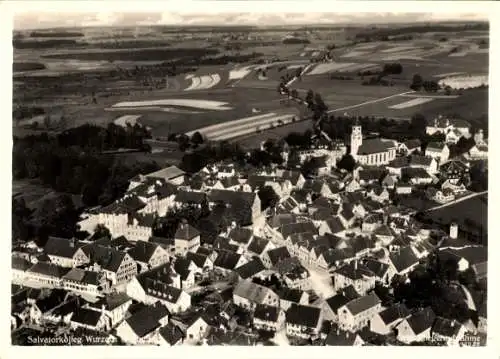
411 103
201 104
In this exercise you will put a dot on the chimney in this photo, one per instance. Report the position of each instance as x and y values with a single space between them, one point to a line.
453 231
355 264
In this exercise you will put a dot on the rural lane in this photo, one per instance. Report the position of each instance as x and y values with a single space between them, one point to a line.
472 195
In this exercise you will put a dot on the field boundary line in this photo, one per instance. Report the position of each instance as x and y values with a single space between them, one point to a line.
369 102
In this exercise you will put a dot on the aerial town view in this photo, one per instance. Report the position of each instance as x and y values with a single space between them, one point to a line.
250 183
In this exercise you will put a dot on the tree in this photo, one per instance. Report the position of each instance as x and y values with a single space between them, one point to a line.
310 98
347 163
197 138
294 93
321 107
417 82
268 197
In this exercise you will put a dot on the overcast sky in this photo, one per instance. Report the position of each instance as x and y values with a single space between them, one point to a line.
46 14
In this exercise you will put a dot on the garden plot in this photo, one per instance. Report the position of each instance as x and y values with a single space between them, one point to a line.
199 104
411 103
339 67
261 125
239 73
126 119
448 74
203 82
354 53
465 82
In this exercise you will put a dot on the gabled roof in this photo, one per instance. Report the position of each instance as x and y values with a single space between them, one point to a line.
403 259
435 146
86 316
339 300
290 295
62 247
54 299
111 301
362 304
399 162
413 143
227 259
222 243
416 172
21 264
83 276
49 269
143 251
277 255
181 266
394 312
251 291
108 258
374 145
266 313
167 173
371 174
161 290
171 333
299 227
250 268
185 231
417 160
303 315
339 337
377 267
422 320
197 258
335 225
240 235
146 319
257 245
194 197
354 271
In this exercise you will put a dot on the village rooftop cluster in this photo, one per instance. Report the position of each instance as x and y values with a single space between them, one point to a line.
305 270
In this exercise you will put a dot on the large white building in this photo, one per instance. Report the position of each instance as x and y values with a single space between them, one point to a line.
373 152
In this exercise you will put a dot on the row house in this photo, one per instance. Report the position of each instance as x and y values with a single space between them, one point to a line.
355 274
85 282
118 266
187 239
428 163
148 255
358 313
65 252
438 150
248 295
269 318
289 296
114 306
175 299
303 321
142 326
385 321
417 327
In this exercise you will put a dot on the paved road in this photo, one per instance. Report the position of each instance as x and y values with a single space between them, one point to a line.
472 195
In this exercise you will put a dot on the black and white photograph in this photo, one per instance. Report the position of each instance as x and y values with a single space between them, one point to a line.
249 178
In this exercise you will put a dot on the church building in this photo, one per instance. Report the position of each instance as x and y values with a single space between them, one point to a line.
372 152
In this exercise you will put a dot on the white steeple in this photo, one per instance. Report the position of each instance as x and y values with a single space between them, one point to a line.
356 139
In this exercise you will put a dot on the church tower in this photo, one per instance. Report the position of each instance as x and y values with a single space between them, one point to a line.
356 139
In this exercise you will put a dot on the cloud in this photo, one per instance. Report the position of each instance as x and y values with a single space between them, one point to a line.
52 19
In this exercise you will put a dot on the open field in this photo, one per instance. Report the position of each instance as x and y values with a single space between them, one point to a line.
186 100
254 140
470 215
471 105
